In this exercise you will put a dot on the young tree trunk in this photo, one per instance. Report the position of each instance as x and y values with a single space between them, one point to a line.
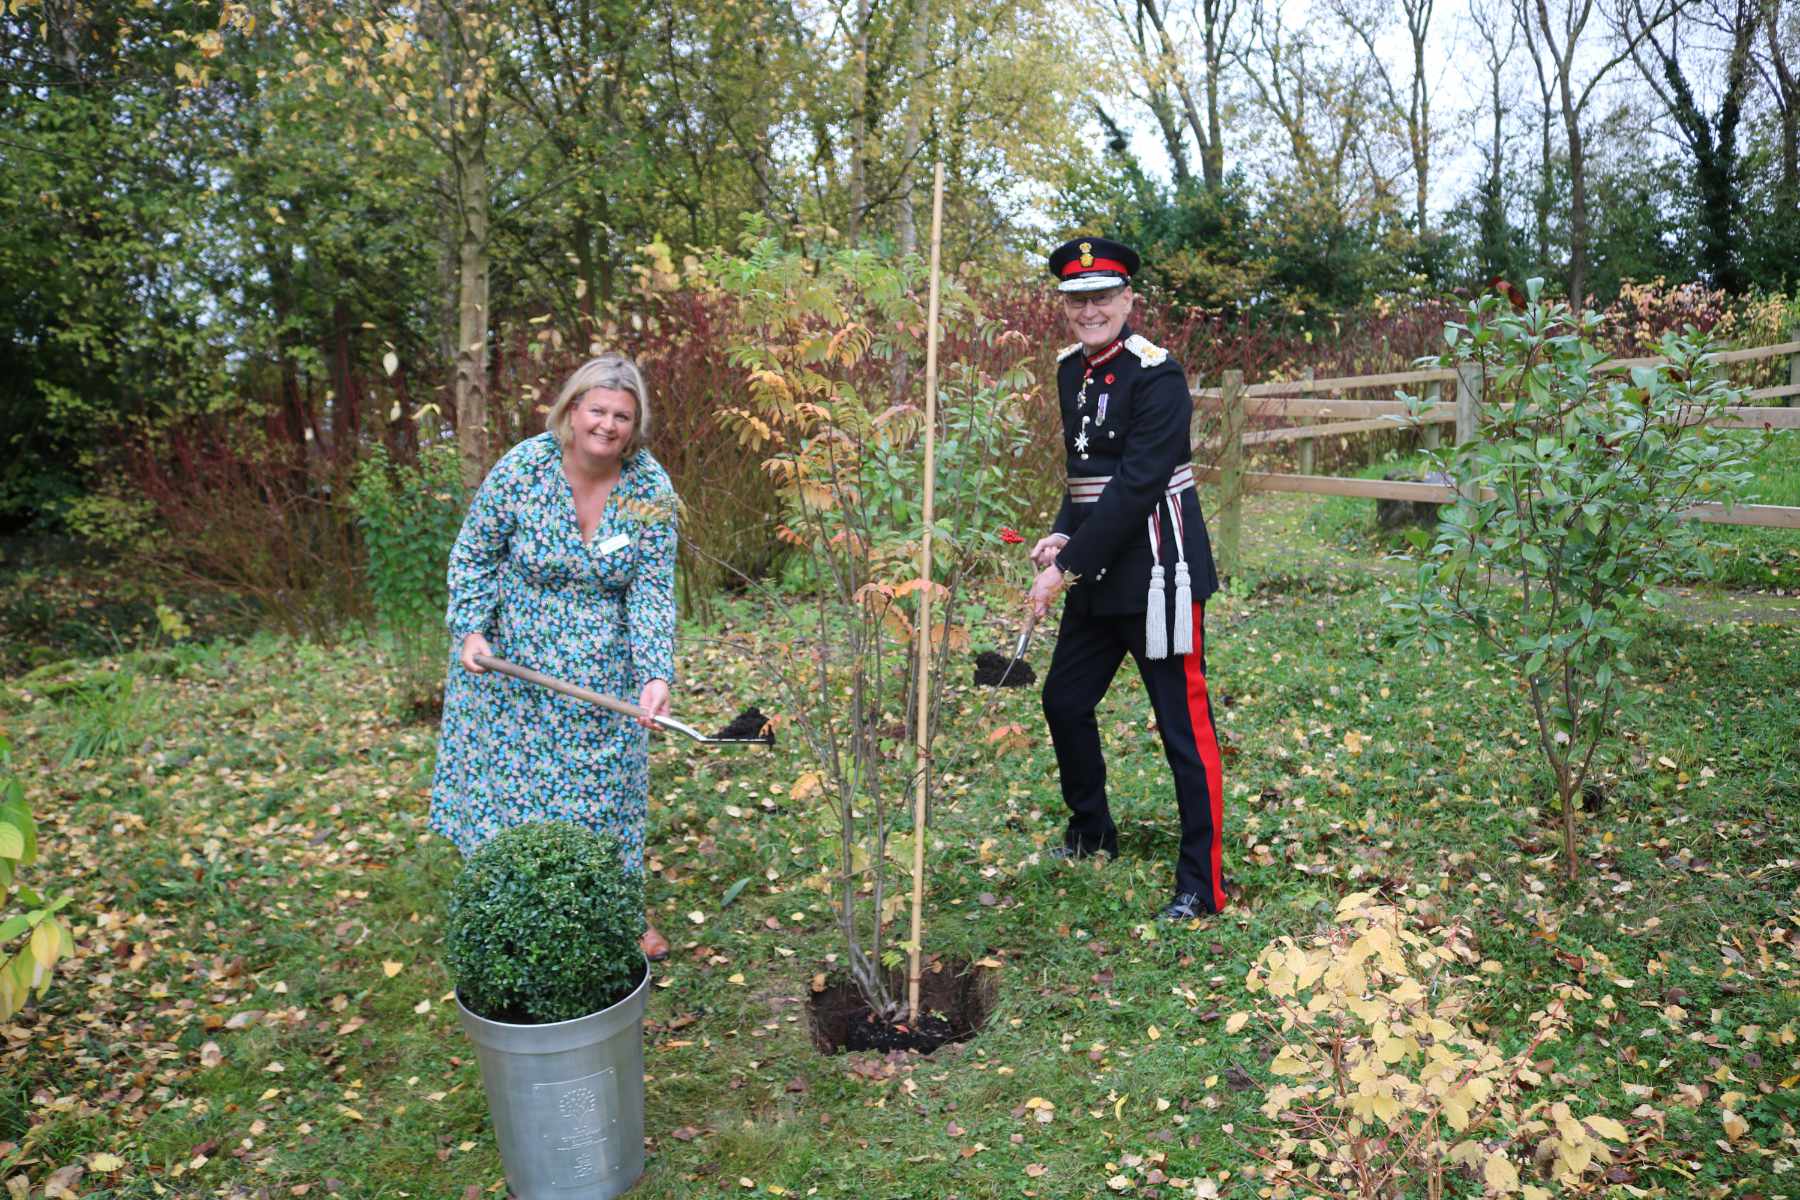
471 387
916 105
1216 21
1578 214
859 125
1785 84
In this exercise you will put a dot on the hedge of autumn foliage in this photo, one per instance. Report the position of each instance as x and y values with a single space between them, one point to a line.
250 500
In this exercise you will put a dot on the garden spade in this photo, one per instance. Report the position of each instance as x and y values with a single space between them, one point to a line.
764 738
1019 650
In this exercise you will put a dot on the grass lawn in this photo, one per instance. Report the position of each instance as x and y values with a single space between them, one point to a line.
257 1006
1744 557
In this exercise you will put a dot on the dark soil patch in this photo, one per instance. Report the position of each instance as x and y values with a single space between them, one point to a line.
426 710
990 666
955 1000
752 723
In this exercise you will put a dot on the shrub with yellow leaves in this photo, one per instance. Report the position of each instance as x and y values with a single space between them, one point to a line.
42 938
1386 1088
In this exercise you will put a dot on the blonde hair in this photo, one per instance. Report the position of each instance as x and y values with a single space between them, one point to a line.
614 372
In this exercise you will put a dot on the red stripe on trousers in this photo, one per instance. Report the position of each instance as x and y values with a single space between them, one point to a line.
1207 742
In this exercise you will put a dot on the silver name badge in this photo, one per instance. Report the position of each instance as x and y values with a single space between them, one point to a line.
616 542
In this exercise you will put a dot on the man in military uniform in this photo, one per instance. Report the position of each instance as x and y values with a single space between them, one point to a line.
1129 548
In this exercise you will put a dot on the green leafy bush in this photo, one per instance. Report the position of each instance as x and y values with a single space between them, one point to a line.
543 925
408 516
1577 489
37 937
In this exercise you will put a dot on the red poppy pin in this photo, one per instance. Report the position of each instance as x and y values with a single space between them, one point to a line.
1109 377
1011 536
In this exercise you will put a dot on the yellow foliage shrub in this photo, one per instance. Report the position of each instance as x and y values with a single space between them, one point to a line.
1386 1089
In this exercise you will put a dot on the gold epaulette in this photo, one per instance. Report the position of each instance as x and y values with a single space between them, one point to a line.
1148 352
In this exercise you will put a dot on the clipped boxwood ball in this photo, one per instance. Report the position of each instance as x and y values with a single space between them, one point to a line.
543 925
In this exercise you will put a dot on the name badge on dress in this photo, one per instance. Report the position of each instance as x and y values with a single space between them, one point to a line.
616 542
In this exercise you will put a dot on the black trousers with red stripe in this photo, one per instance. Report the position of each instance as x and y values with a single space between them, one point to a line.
1088 652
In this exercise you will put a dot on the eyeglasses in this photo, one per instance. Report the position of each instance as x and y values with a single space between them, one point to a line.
1076 302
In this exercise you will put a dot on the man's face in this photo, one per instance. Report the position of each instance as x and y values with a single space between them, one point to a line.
1095 318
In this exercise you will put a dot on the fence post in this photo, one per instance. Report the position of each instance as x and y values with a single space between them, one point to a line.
1231 468
1431 436
1793 335
1468 412
1307 461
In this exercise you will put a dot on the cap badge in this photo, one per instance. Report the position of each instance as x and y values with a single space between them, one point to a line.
1087 254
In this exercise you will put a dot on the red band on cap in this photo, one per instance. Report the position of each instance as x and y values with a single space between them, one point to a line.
1074 267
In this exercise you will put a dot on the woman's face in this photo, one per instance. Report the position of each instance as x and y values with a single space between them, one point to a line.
601 421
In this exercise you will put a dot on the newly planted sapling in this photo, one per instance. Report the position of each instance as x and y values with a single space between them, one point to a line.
834 412
1576 496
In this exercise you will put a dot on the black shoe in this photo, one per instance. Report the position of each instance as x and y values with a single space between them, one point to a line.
1072 853
1185 907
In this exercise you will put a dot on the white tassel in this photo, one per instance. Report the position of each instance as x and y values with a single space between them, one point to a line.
1156 633
1184 611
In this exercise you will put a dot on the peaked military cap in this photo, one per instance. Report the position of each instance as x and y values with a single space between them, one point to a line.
1091 264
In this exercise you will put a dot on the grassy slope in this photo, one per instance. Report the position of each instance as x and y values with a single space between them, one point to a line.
259 847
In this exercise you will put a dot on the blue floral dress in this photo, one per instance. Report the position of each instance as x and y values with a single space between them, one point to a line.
600 614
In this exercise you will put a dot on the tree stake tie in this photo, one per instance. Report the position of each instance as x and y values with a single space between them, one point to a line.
726 737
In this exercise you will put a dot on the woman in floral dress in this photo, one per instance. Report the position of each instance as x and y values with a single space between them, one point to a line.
565 563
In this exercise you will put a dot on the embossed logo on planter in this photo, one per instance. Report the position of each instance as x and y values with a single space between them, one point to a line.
578 1116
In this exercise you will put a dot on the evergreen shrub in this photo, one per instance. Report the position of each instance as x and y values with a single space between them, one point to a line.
543 925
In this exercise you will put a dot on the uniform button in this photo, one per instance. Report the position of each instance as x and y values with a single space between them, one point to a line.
1109 433
1101 574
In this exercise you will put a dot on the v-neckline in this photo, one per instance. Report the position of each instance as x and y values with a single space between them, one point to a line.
587 543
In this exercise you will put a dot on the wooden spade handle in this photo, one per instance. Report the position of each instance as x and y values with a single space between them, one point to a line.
556 685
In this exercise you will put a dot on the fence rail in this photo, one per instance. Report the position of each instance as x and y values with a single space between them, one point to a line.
1297 400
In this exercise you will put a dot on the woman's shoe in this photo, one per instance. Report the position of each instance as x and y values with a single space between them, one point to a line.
654 945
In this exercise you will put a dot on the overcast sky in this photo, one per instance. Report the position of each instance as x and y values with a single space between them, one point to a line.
1456 70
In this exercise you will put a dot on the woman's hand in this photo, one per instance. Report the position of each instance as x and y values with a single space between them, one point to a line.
472 645
1044 553
654 700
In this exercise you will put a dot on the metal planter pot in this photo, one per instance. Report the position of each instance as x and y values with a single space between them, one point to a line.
567 1099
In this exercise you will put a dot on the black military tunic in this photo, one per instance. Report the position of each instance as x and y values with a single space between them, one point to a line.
1126 412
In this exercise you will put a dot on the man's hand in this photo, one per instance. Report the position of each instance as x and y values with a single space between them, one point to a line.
1044 553
1044 588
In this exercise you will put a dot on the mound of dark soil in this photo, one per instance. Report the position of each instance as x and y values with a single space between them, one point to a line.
751 723
990 666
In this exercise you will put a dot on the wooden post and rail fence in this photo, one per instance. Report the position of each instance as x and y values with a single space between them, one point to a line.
1300 400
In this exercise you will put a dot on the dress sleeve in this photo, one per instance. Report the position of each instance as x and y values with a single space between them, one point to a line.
480 551
650 601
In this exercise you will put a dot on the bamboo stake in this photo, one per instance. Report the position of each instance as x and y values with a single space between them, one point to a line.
922 717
